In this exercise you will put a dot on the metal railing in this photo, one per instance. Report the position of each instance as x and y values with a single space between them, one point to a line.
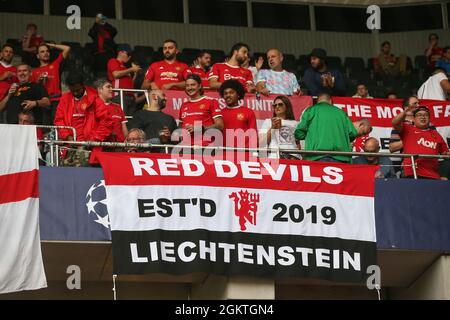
54 150
267 151
121 92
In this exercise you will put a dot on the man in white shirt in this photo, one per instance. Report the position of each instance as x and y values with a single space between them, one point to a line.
436 87
276 80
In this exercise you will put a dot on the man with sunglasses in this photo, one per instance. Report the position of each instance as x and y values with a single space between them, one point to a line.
420 139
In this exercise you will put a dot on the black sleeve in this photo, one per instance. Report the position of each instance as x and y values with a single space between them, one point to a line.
93 32
136 122
112 31
39 92
173 124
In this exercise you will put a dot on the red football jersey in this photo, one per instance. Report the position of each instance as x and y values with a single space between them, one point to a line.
6 84
162 72
125 82
79 118
225 71
239 118
419 141
117 115
53 83
203 110
204 75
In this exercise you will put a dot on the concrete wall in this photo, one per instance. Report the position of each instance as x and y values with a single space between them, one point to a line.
221 37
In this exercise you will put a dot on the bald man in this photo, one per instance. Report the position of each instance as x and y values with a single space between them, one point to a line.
276 80
157 125
386 169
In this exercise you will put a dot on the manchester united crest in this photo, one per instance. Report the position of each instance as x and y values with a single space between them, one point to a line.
245 207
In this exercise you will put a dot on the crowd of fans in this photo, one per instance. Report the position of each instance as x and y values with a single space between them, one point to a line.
31 96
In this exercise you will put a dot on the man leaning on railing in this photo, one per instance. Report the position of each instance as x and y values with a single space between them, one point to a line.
418 138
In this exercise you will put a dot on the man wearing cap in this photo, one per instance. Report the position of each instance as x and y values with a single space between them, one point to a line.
420 139
319 79
122 77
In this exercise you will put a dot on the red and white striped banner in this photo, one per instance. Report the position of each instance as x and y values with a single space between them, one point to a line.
21 266
160 205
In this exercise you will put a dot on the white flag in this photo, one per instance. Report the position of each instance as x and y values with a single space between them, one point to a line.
21 266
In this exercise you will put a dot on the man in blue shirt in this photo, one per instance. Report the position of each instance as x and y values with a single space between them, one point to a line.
276 80
318 79
444 63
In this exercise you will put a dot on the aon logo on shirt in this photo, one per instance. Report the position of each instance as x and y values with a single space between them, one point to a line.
426 143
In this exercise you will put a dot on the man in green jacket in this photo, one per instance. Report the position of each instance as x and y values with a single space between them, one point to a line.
328 128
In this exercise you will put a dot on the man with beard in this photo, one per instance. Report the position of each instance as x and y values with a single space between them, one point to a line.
167 74
199 113
201 67
318 79
24 95
7 70
232 69
276 80
157 125
239 121
48 76
79 109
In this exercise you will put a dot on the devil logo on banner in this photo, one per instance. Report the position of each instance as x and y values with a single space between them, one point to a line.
245 207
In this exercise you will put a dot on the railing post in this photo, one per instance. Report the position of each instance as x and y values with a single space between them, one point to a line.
121 99
52 154
56 155
413 163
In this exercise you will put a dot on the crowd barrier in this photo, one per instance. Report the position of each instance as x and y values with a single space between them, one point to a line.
266 151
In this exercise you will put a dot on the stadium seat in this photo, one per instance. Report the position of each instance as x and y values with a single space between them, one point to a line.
16 44
146 49
158 54
334 63
420 62
289 62
217 55
188 55
255 57
302 63
354 65
142 55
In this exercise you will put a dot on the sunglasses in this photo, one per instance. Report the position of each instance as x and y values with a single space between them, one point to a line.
278 105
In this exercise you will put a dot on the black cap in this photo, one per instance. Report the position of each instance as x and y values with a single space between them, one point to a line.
319 53
421 108
124 47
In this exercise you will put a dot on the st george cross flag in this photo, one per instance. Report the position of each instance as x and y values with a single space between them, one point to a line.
21 266
289 219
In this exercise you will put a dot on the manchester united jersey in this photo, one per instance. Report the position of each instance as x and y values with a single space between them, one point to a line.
202 110
53 81
225 71
422 141
235 118
162 73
